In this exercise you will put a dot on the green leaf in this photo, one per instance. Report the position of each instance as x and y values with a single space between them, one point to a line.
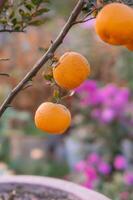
17 27
56 94
3 21
14 21
48 77
25 15
29 6
12 14
40 11
37 22
37 2
21 12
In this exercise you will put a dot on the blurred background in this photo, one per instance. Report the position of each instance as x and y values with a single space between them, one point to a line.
97 150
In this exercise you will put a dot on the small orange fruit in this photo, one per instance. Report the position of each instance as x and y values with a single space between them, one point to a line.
114 24
52 118
130 46
71 71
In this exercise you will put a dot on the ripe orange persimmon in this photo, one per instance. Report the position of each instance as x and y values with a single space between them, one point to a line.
72 70
130 46
114 24
52 118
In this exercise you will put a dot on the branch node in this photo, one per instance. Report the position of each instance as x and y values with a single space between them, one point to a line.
4 74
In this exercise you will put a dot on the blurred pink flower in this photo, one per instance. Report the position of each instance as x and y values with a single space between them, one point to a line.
89 93
107 115
106 103
120 162
80 166
107 94
124 195
91 173
87 86
93 159
104 168
128 178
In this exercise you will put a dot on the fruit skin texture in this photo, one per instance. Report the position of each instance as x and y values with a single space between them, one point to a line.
52 118
72 70
114 24
130 46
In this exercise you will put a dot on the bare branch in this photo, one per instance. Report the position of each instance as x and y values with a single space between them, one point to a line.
4 59
4 74
85 18
27 86
83 21
11 31
48 55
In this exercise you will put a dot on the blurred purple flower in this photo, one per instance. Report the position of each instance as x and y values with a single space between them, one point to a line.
93 159
87 86
121 98
91 173
80 166
106 103
104 168
107 115
128 178
89 93
120 162
107 93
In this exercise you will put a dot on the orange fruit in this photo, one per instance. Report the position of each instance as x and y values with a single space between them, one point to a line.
114 24
130 46
72 70
52 118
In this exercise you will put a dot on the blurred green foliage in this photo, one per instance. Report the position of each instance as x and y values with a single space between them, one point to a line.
18 15
40 168
124 68
16 121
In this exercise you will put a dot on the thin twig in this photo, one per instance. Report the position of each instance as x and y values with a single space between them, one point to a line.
83 21
4 59
85 17
4 74
27 86
48 55
12 31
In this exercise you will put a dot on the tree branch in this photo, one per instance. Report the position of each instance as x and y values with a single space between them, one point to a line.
48 55
4 74
11 31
